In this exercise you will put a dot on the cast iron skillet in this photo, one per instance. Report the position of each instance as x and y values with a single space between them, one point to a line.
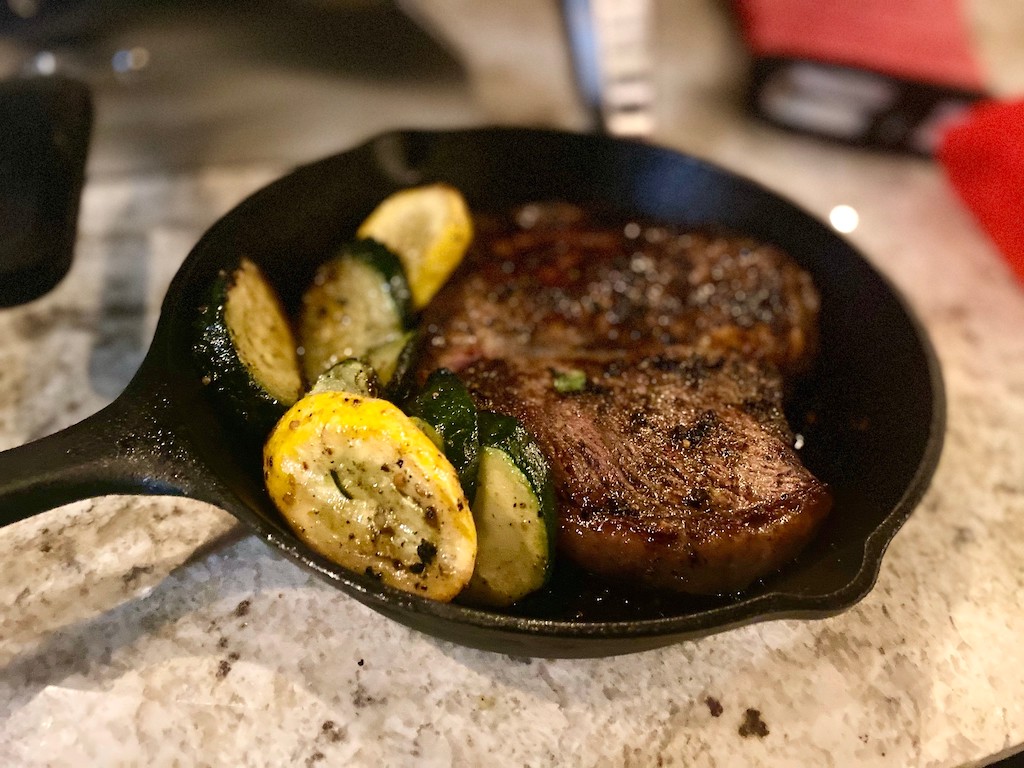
872 412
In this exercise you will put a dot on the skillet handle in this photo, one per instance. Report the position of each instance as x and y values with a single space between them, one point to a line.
122 449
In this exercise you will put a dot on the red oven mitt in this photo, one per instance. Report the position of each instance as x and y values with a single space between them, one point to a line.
983 157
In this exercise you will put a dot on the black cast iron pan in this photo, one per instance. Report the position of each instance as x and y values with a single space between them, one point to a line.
872 412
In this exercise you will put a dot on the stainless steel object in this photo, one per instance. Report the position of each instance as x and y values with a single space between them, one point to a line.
611 51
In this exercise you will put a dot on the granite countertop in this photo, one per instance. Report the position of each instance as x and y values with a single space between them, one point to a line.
158 632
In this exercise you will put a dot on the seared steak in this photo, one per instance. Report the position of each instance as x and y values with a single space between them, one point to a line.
673 471
574 284
673 464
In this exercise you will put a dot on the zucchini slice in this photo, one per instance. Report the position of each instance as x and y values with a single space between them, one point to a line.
358 301
514 512
351 375
246 350
430 432
392 359
361 485
445 404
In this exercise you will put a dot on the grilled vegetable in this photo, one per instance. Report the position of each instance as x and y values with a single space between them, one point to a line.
445 404
246 351
393 359
351 375
361 485
514 514
429 228
358 302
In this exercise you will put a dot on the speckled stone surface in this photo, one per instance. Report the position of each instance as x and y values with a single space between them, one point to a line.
138 631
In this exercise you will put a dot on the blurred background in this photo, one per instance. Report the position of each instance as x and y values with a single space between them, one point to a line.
182 84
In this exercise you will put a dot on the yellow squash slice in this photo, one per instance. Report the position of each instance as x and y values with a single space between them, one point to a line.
363 486
429 228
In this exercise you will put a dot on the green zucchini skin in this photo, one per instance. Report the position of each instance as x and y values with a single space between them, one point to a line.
446 405
498 430
401 385
222 371
393 359
384 260
514 512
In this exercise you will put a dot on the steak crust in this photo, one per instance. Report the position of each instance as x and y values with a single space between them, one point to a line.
569 283
674 465
672 471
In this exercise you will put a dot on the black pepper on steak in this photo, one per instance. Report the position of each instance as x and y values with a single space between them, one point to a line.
673 466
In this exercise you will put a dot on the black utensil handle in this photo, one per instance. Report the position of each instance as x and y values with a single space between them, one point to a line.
122 449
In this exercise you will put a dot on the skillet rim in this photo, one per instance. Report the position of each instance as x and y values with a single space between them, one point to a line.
616 634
